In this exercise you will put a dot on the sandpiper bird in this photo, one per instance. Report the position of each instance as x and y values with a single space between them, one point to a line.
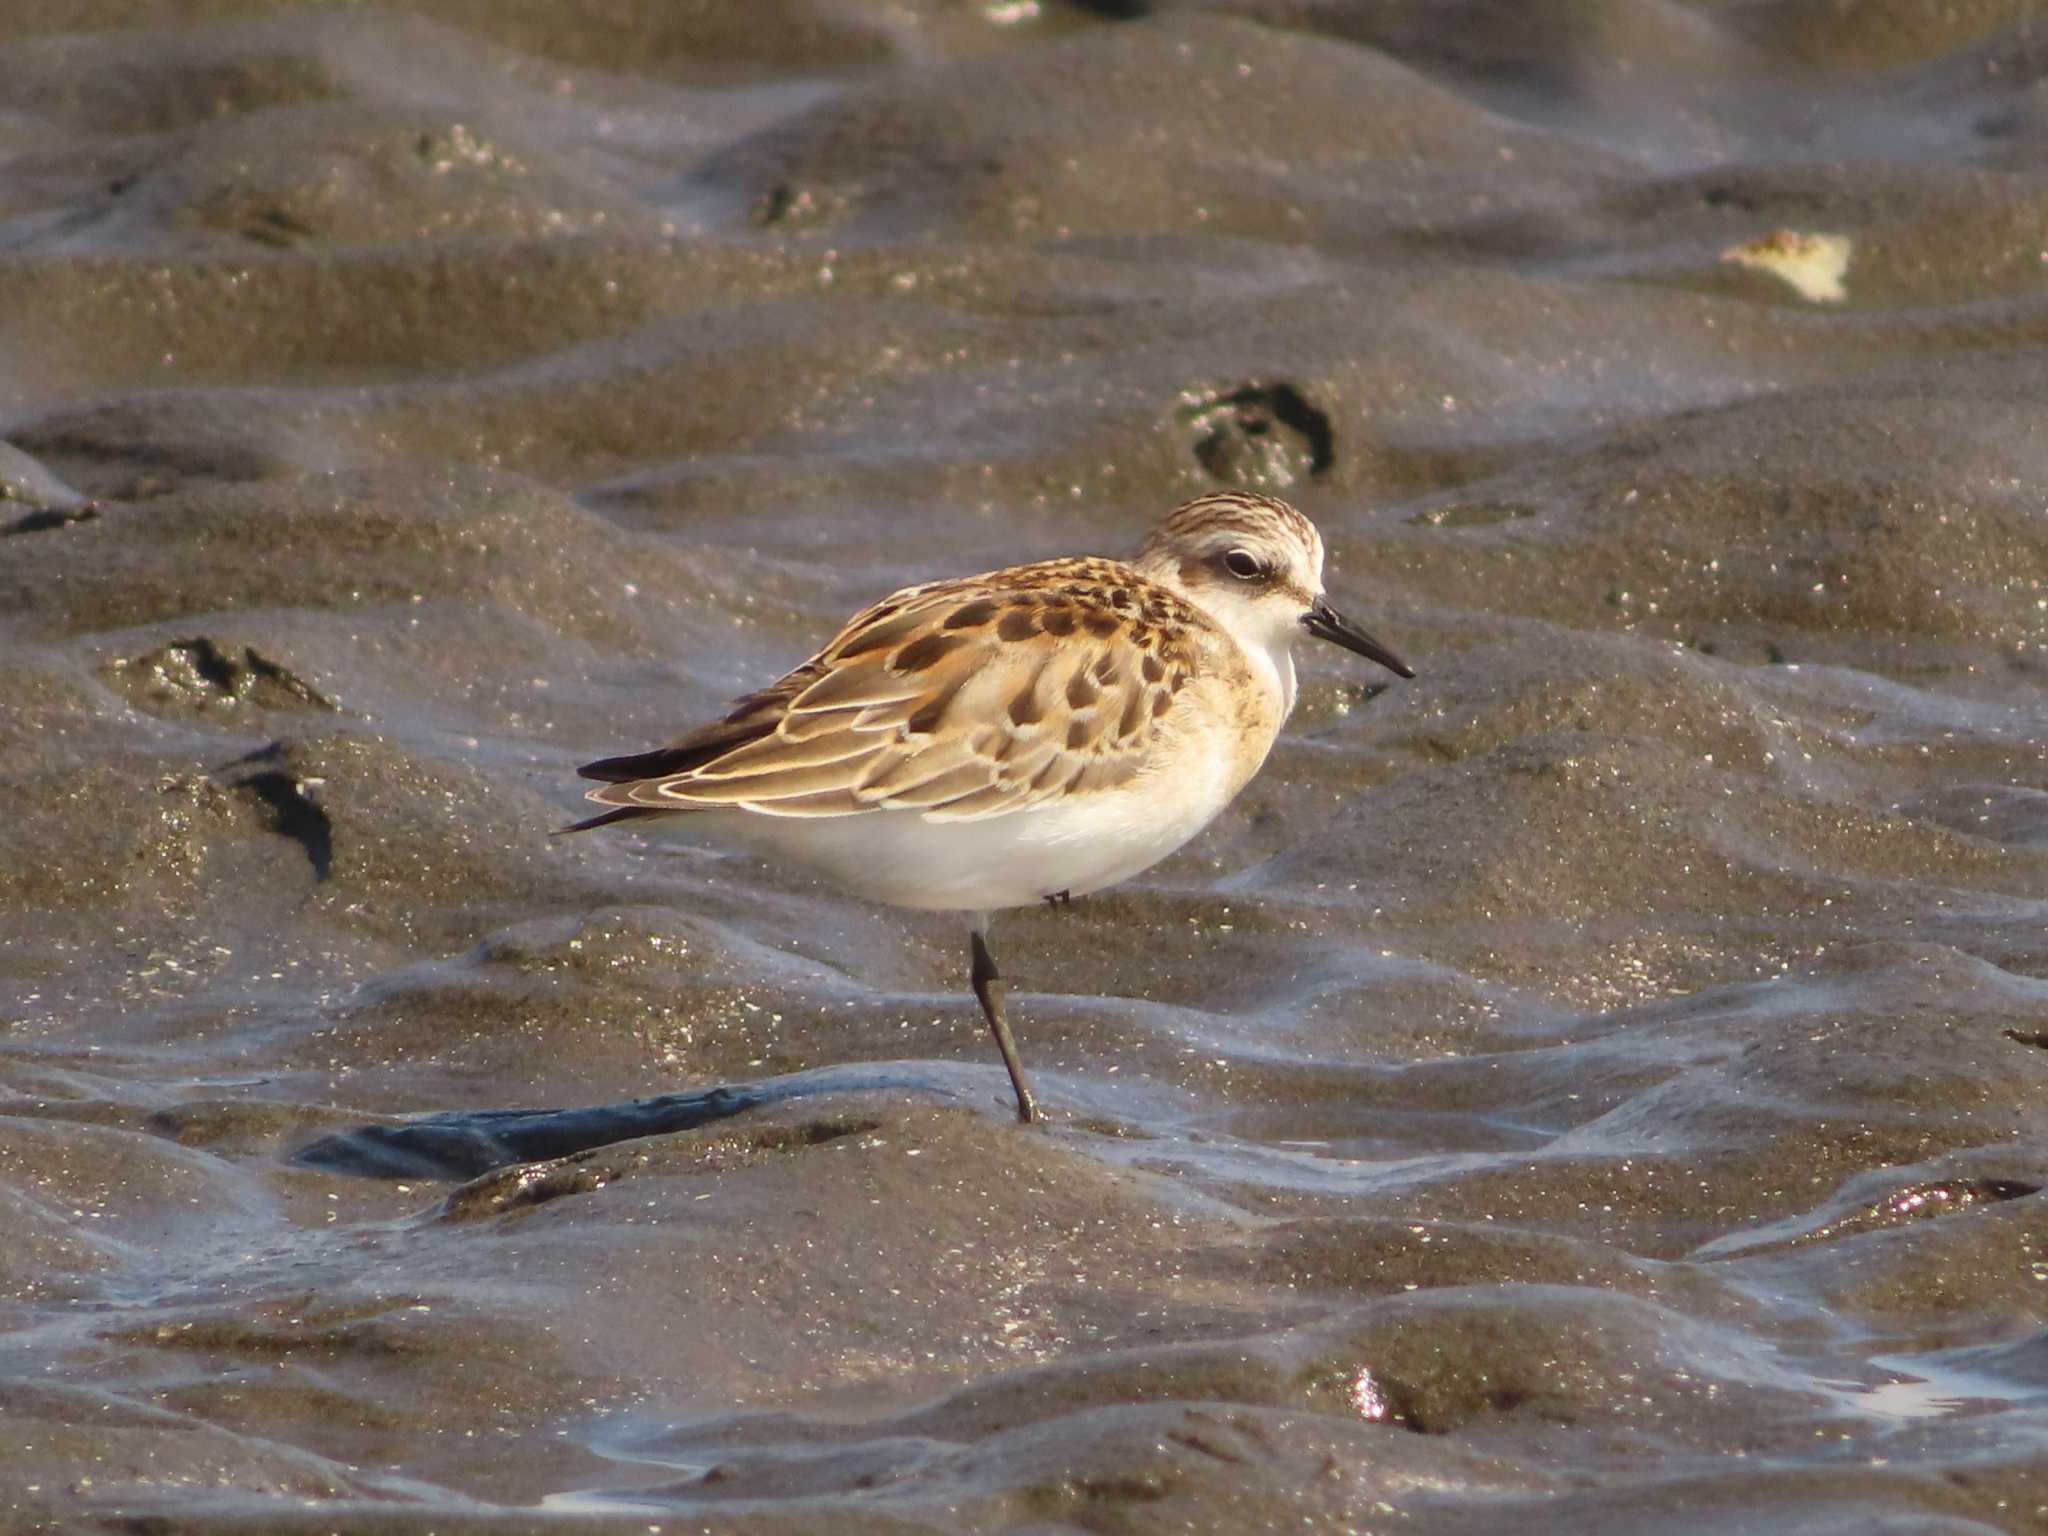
1032 734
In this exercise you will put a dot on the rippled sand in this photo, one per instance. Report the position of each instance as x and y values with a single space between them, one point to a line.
1596 1087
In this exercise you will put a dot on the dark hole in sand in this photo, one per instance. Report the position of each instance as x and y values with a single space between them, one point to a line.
209 663
2006 1189
1262 435
293 815
201 673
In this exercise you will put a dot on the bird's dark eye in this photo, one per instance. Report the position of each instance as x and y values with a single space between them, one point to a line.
1242 562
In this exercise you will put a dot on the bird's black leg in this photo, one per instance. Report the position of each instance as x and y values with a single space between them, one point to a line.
989 988
1060 899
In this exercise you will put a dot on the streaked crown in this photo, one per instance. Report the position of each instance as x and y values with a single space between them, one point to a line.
1210 521
1222 540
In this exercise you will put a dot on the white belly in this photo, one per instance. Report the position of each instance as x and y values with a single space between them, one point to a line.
900 858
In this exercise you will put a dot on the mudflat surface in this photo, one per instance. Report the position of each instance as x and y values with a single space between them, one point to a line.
1596 1087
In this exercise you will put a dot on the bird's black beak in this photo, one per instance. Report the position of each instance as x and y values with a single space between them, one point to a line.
1326 623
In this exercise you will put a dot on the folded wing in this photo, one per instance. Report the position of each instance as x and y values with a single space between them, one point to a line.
958 700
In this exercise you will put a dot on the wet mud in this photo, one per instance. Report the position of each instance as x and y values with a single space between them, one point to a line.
1597 1086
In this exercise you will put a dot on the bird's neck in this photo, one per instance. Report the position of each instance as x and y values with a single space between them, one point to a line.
1273 665
1268 654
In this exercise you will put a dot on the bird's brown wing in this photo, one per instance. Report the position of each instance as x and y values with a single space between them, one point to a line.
960 699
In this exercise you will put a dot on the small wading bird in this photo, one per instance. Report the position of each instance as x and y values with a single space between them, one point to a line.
1031 734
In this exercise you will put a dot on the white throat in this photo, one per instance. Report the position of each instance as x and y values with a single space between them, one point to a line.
1268 647
1272 658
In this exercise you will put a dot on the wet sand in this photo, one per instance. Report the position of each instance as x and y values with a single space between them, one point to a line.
1597 1086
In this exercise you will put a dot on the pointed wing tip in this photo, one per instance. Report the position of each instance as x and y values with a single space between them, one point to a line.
617 770
605 819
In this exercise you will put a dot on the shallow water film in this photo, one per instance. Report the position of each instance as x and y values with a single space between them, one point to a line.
1597 1086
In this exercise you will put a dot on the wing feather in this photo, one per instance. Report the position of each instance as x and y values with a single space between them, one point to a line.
771 783
858 683
941 789
956 700
779 754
